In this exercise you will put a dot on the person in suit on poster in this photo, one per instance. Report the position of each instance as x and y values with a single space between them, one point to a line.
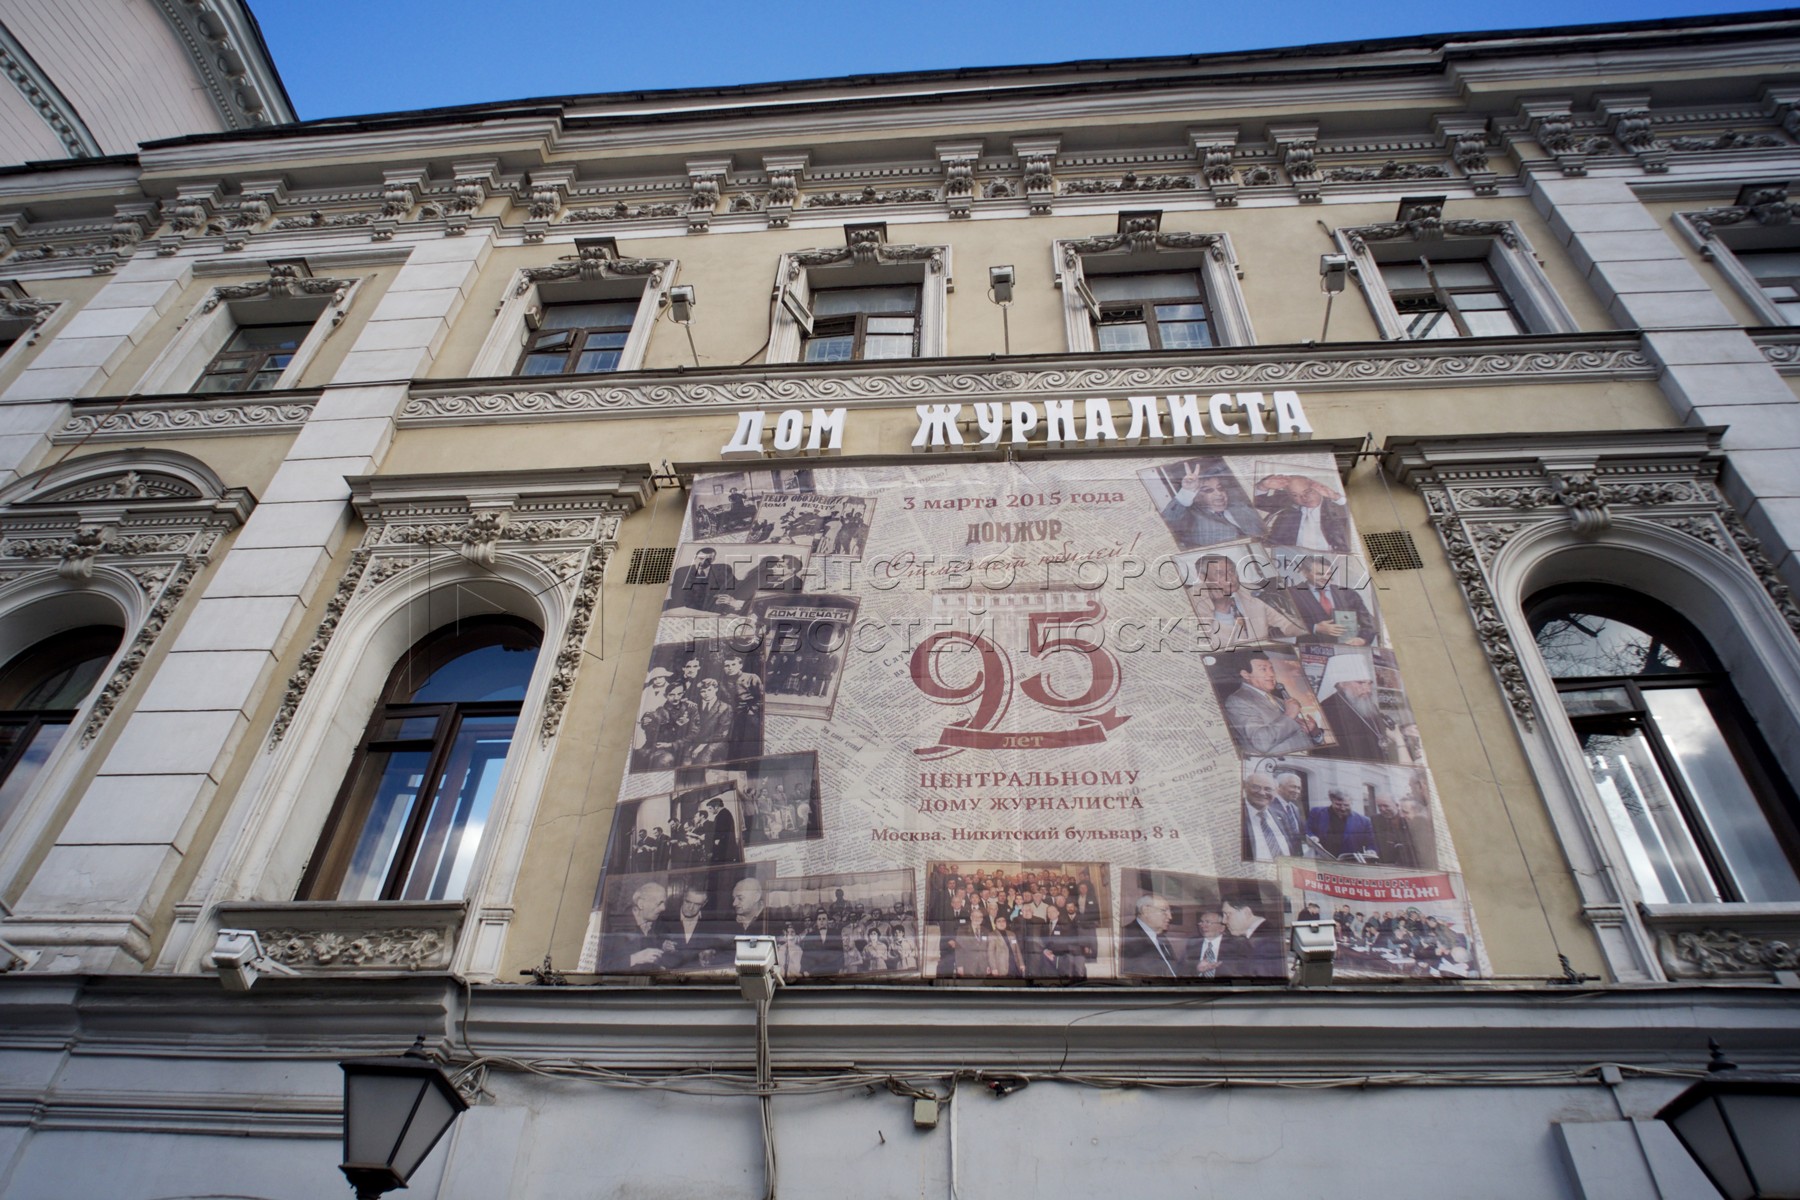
1347 700
707 586
1210 508
1304 513
1143 950
1264 719
1271 823
1329 610
1340 830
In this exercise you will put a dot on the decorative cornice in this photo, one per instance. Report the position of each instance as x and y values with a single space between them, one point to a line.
592 263
285 279
1380 365
226 55
46 98
1725 941
1766 205
328 937
109 422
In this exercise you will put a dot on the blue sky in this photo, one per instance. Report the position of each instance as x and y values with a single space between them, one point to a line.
341 59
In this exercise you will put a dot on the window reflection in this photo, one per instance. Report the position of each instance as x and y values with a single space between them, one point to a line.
1697 804
40 691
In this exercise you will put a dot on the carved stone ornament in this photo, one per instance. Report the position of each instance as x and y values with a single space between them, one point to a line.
285 280
1424 222
592 263
406 949
621 211
569 526
1469 150
870 196
156 527
1390 170
1713 953
1479 510
1422 364
1731 139
1129 182
1141 236
866 247
107 422
325 938
1768 205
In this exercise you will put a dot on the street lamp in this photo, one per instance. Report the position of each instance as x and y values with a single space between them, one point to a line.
395 1110
1738 1126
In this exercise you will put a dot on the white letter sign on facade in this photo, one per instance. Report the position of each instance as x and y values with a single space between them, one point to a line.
1190 418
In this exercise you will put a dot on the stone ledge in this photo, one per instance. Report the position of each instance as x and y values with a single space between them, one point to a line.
330 937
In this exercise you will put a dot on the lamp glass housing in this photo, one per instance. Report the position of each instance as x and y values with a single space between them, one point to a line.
1739 1129
395 1110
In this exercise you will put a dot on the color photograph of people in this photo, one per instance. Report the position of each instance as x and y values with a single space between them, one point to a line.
1303 509
1382 929
671 922
1319 594
777 797
1233 613
1345 811
1202 502
1268 703
1368 722
1197 927
702 703
843 925
991 920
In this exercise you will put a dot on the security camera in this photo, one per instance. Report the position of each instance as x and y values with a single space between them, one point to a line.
1000 279
239 959
1315 949
756 971
681 303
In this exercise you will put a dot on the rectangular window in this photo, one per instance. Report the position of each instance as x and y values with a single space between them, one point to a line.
254 358
1449 299
863 323
575 339
1160 311
1777 273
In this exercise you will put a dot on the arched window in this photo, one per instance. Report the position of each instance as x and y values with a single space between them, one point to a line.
409 818
40 691
1688 786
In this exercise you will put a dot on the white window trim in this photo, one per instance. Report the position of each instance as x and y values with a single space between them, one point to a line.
1507 252
398 586
505 343
798 272
1663 530
1721 246
51 597
211 322
1209 253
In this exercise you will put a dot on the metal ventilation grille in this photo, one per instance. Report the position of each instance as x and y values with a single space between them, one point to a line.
1393 551
651 566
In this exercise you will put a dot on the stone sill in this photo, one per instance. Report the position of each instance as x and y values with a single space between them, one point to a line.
320 937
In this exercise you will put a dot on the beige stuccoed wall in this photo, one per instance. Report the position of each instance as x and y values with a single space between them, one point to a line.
1517 877
1664 212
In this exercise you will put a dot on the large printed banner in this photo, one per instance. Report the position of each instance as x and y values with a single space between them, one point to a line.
1100 718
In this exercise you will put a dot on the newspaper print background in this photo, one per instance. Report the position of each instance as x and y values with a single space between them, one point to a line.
1105 718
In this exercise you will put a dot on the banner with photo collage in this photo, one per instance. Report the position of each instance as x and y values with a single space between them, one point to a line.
1095 718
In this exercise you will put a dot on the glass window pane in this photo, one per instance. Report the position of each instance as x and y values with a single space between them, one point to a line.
1159 286
1462 274
1402 277
597 360
1181 312
1184 335
544 364
553 341
1491 324
264 337
837 301
891 325
888 346
600 314
1740 830
18 781
1578 645
1659 849
1472 301
830 349
1767 264
486 674
395 780
605 341
1431 325
460 806
1780 292
1124 337
263 381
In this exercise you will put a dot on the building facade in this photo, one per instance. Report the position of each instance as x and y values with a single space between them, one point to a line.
498 555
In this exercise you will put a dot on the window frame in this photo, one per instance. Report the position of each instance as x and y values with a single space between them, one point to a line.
260 359
1228 316
859 325
213 321
798 272
1506 253
503 350
1701 673
1723 246
1445 297
323 876
577 348
1152 323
